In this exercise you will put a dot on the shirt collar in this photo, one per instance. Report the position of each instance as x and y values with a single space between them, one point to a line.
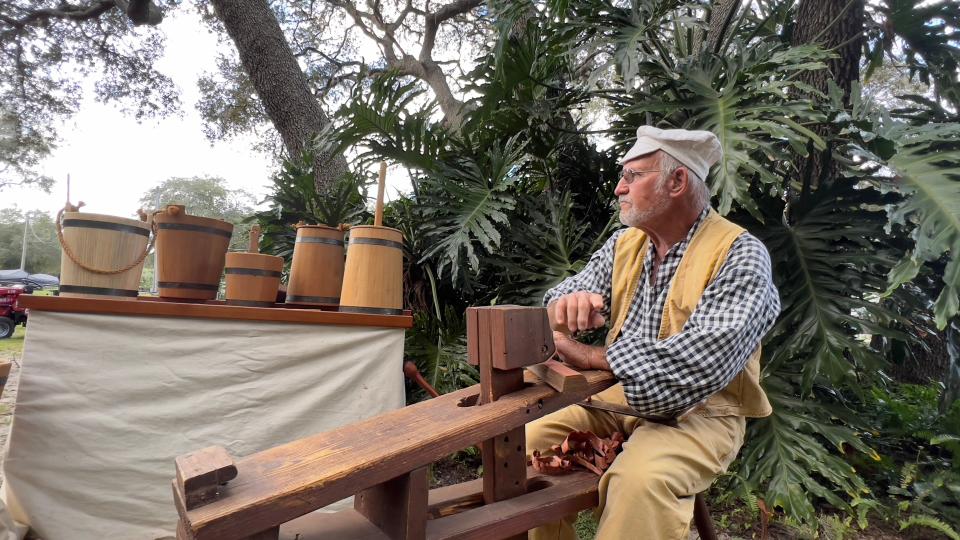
681 246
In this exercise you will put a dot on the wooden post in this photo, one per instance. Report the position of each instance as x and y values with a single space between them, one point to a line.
397 507
502 340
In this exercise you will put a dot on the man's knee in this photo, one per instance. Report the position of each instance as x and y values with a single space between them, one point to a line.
634 485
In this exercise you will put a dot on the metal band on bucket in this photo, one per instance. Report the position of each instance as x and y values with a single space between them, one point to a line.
252 272
377 242
194 286
194 228
371 310
319 240
106 225
81 289
297 299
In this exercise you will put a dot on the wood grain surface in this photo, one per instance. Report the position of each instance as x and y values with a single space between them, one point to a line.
285 482
211 310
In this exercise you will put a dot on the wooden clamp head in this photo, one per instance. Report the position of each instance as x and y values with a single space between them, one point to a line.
201 473
513 336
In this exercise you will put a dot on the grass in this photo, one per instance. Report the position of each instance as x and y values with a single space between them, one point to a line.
586 526
14 344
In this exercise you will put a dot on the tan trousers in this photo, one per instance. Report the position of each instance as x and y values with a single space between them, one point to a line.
648 492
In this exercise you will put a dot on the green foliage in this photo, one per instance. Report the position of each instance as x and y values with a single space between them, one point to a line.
43 248
296 198
787 454
920 468
928 35
206 196
931 523
927 169
833 242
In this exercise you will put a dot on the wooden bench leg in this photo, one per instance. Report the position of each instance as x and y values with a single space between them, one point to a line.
701 518
397 507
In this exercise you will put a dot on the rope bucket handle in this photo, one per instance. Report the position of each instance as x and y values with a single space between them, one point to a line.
76 260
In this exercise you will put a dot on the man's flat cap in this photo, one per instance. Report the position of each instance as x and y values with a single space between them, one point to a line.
697 150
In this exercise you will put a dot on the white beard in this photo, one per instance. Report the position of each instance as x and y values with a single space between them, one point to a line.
632 217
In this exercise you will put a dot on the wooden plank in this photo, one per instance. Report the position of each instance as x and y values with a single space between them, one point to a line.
473 352
559 376
282 483
398 507
155 308
561 496
449 500
200 474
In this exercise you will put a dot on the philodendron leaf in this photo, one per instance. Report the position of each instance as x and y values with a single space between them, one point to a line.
927 170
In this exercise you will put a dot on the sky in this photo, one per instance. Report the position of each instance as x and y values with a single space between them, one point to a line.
113 160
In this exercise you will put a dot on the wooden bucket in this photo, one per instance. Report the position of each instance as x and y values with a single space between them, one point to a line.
252 279
190 253
373 277
316 272
102 255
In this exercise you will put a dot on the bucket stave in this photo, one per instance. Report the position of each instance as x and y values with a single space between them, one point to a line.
316 273
373 277
102 255
191 252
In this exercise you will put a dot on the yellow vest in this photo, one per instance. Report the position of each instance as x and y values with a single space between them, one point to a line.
698 268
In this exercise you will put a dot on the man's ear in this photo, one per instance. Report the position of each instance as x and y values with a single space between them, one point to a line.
679 182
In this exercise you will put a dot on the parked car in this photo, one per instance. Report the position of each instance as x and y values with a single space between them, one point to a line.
11 313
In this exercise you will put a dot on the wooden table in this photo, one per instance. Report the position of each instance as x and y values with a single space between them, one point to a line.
112 390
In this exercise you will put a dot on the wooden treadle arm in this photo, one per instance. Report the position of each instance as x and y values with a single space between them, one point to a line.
288 481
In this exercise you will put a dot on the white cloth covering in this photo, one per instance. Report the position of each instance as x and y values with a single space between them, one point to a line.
106 402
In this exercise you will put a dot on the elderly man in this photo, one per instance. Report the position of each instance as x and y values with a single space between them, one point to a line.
689 296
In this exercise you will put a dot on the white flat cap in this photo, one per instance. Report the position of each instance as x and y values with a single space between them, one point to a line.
697 150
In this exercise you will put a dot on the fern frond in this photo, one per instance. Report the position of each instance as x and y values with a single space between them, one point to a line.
930 522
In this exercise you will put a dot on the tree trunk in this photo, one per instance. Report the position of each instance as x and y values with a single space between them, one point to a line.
279 81
721 15
834 25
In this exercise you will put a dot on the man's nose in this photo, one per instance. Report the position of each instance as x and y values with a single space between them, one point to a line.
622 188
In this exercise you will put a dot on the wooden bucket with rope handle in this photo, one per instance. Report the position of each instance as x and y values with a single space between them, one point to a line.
102 255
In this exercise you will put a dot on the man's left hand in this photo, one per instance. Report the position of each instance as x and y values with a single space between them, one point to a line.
580 355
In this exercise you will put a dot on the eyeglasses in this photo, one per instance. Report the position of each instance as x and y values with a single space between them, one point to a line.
628 176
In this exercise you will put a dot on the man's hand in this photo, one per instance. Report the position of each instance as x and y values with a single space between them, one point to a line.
576 311
578 354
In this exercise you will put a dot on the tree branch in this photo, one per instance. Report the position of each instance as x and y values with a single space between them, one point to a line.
139 11
433 20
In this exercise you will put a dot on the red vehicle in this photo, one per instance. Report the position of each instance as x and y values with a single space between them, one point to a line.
11 314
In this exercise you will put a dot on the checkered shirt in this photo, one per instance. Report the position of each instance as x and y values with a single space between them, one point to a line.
667 377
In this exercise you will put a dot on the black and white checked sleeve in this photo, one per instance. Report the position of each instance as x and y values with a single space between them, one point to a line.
596 276
669 376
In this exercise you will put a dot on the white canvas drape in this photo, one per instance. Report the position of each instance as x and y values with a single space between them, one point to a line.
106 402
